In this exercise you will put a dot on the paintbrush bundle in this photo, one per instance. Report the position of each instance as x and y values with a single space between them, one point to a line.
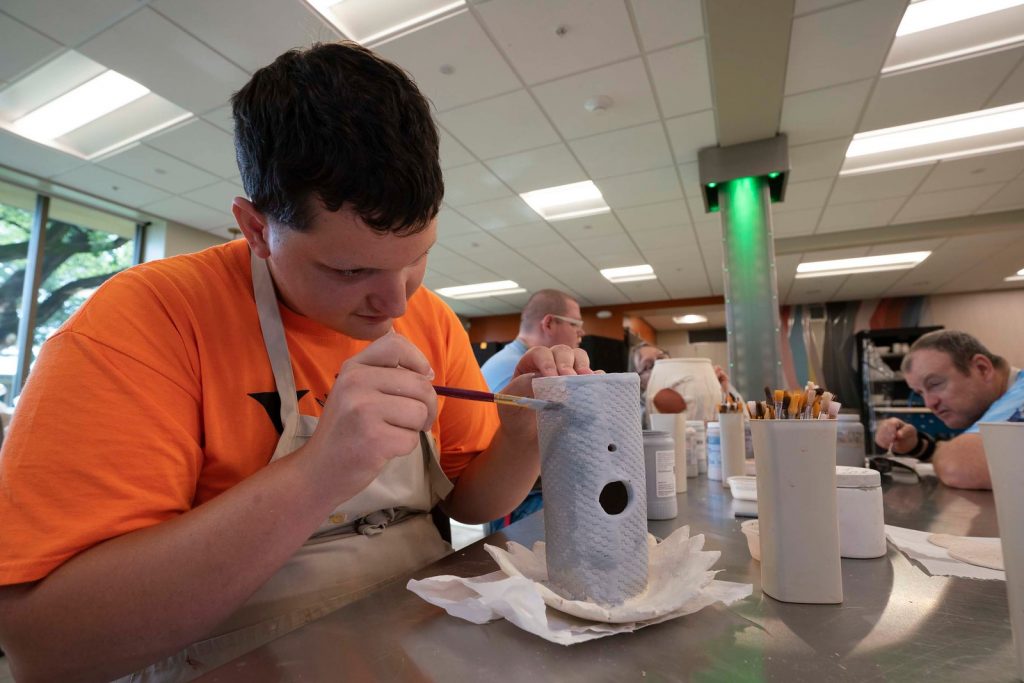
810 403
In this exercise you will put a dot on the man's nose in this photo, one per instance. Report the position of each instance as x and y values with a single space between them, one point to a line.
389 296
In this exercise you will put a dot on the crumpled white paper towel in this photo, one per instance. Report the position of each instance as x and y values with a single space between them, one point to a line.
924 469
936 560
679 584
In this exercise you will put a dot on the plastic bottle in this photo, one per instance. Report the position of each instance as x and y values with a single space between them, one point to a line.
714 447
660 466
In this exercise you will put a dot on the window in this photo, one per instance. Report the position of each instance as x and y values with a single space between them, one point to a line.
82 248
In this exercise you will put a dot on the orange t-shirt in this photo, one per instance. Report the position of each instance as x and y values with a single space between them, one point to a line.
157 395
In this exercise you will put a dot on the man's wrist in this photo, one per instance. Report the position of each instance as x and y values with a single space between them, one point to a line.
924 449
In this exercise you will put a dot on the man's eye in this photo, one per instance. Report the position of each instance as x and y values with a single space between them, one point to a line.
350 273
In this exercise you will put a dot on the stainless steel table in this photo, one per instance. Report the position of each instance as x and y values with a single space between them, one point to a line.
896 624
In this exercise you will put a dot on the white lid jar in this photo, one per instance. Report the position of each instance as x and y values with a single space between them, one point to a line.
859 508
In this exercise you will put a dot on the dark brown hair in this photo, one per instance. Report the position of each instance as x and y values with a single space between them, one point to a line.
336 124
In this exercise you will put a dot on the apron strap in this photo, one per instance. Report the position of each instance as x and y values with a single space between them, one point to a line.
277 350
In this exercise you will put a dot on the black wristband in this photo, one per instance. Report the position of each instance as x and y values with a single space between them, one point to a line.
925 447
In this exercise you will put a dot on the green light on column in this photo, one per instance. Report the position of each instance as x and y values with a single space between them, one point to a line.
773 175
712 184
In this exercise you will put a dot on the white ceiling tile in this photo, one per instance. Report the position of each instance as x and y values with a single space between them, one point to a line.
989 273
795 223
644 290
69 22
661 23
222 118
617 246
691 133
687 282
218 196
31 157
630 99
942 90
1011 196
948 203
812 290
690 175
824 114
646 187
553 256
200 144
596 32
623 151
867 214
673 237
1011 91
500 126
817 160
452 153
858 188
588 227
980 170
189 213
617 259
681 78
109 185
807 6
538 168
477 69
143 45
499 213
956 256
842 44
250 44
155 168
451 222
527 235
867 285
21 48
808 195
653 216
470 184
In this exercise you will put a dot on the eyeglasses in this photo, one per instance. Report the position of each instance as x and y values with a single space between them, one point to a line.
575 322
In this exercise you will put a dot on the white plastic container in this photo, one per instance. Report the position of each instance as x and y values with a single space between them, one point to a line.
743 487
1004 448
849 441
699 444
796 501
714 448
675 426
859 506
660 468
734 454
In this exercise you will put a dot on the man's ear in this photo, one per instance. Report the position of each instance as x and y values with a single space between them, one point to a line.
983 365
253 224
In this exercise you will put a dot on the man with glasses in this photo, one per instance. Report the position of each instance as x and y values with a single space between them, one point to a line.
550 318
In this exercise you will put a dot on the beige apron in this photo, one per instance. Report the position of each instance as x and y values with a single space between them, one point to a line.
349 555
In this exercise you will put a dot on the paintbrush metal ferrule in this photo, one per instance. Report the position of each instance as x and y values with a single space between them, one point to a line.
524 402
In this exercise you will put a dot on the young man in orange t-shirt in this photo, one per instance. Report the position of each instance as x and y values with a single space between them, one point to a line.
200 418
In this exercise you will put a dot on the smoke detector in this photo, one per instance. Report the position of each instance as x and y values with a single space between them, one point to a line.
598 104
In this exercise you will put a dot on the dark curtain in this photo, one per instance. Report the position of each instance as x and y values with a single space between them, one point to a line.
839 362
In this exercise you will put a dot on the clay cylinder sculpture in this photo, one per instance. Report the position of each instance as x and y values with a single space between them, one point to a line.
595 498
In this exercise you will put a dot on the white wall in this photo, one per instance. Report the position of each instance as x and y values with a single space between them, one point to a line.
168 238
996 318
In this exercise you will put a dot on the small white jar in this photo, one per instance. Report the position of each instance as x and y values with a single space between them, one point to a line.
859 508
850 441
714 448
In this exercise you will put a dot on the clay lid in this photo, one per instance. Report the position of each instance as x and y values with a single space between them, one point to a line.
856 477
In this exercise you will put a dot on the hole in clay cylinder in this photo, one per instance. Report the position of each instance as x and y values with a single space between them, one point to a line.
614 497
612 448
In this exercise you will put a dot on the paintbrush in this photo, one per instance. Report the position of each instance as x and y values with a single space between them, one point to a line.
501 399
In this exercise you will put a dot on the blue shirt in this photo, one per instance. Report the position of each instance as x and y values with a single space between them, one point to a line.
498 368
1010 403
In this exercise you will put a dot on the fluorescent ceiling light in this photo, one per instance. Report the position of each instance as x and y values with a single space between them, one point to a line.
929 14
481 290
91 100
629 273
1016 278
567 201
950 137
689 319
370 21
80 107
943 30
863 264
